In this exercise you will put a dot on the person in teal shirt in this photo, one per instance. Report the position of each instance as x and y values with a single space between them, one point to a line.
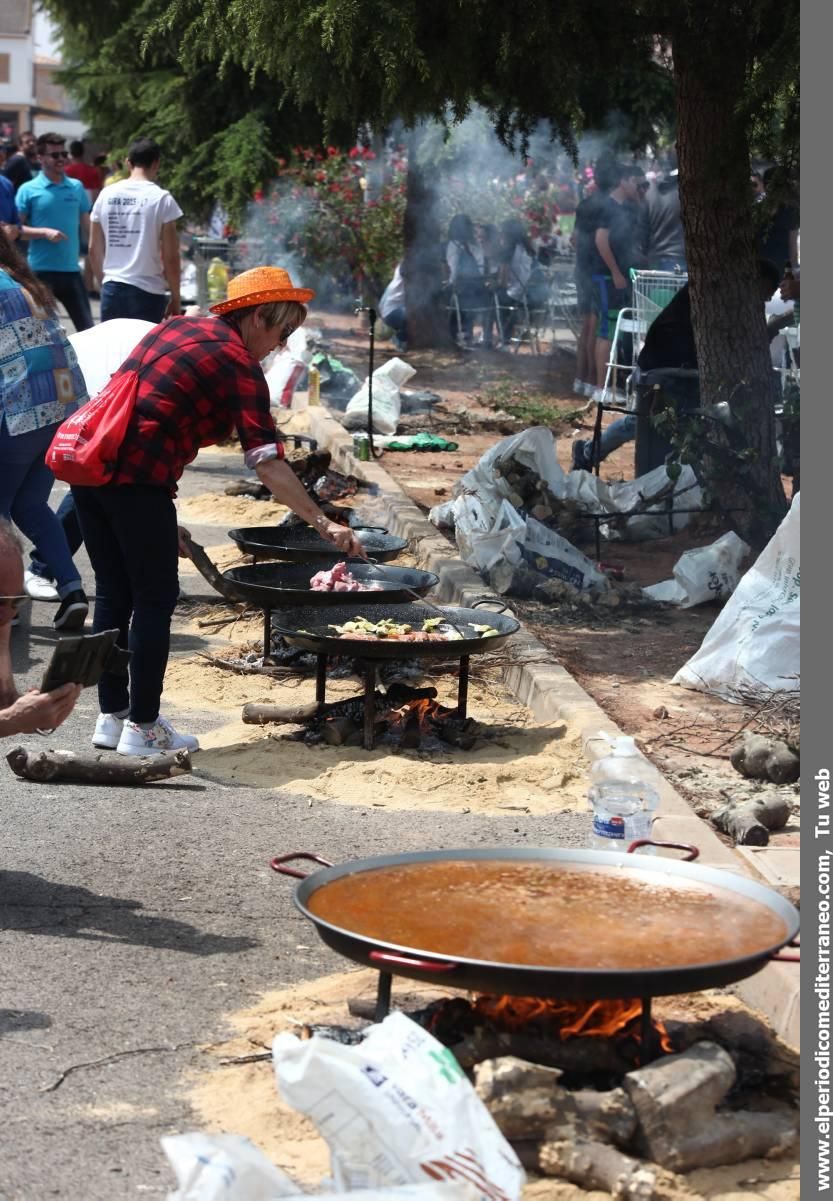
54 210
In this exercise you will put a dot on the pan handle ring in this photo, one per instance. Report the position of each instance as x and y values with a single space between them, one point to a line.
277 864
692 852
780 957
388 960
502 607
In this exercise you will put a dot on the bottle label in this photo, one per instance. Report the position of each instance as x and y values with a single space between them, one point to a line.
613 826
609 827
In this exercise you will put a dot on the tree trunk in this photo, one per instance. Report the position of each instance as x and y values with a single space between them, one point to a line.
727 309
427 319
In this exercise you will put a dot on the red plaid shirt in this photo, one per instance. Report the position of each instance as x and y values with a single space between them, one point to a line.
197 384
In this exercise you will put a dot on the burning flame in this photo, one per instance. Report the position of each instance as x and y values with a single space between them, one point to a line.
423 712
569 1019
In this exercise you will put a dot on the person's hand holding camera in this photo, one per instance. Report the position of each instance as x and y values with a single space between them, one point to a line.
36 711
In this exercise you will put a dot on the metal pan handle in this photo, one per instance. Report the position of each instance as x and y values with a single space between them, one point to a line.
386 959
692 852
502 607
780 957
277 864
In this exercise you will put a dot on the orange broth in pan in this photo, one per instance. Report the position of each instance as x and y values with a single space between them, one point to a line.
536 913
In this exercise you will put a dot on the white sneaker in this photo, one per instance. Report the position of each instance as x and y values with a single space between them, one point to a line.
108 728
158 739
38 588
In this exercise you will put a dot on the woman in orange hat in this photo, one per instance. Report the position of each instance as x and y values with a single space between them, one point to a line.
200 379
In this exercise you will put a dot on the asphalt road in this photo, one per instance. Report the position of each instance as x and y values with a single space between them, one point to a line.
133 920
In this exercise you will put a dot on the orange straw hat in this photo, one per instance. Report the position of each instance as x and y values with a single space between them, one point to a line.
261 285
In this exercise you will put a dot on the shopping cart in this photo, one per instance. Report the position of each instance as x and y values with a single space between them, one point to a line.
651 291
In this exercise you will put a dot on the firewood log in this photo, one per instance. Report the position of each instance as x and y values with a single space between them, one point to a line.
595 1165
526 1101
509 580
339 731
762 758
67 767
749 823
675 1100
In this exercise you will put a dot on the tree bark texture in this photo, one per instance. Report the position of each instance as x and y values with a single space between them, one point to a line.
67 767
727 309
427 320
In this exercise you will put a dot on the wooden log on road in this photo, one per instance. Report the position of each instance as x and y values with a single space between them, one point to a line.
68 767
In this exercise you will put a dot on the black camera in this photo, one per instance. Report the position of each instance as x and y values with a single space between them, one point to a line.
81 659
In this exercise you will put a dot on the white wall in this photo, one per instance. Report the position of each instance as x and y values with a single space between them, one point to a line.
18 91
70 128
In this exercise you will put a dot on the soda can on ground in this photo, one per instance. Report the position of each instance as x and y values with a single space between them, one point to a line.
361 447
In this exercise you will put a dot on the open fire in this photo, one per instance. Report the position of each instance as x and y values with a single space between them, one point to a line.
570 1019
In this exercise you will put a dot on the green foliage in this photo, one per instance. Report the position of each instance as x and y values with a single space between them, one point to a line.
219 135
317 212
527 404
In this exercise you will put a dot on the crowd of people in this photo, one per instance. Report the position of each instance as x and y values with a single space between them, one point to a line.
198 379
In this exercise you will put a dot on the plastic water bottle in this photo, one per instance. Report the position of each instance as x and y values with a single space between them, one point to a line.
622 813
623 795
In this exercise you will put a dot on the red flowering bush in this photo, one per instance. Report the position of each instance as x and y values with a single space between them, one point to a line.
319 212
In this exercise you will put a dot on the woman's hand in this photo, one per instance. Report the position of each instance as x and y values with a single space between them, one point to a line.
183 537
344 538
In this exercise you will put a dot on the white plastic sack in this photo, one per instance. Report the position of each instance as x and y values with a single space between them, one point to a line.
705 574
287 367
229 1167
387 405
654 524
534 448
755 641
555 557
224 1167
102 349
395 1109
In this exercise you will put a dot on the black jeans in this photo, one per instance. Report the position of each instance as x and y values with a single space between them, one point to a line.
126 300
131 537
68 287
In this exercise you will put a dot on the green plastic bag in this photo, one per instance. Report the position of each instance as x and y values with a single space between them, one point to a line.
421 442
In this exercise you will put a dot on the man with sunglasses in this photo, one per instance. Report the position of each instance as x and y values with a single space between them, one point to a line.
34 711
54 210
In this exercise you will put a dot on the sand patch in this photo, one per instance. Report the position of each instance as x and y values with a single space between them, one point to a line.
215 508
243 1099
522 768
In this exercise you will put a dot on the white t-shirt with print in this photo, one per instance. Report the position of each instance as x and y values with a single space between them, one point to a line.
131 215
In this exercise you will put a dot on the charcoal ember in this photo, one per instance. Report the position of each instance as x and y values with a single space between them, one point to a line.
334 485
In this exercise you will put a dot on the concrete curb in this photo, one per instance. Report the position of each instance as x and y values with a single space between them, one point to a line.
551 693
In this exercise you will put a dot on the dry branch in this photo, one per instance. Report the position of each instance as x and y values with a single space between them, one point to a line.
67 767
